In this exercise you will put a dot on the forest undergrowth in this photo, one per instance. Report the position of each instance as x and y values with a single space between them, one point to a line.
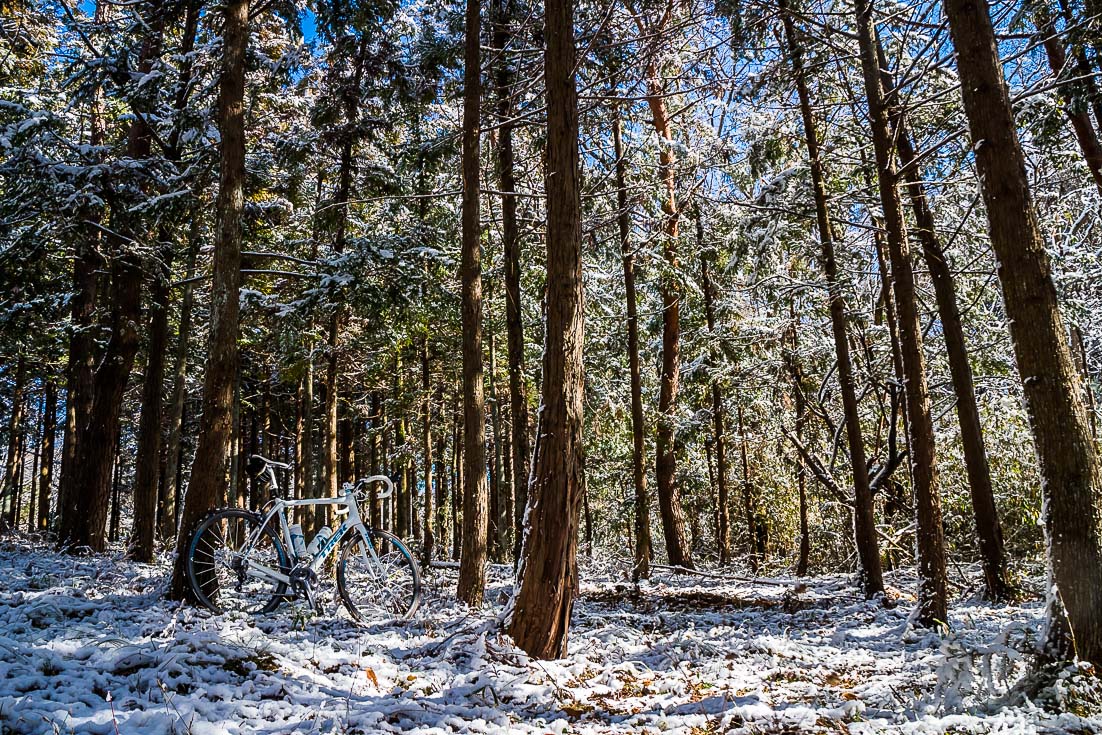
90 645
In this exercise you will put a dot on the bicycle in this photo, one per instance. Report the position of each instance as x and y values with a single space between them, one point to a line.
238 560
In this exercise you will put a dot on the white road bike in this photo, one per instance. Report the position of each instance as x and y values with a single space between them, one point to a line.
243 561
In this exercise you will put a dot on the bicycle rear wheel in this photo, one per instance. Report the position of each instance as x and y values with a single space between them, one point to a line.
381 586
219 560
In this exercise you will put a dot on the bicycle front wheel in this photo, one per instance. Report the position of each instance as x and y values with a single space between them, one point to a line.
377 578
227 556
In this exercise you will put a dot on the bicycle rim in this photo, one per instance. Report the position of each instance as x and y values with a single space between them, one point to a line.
219 572
382 587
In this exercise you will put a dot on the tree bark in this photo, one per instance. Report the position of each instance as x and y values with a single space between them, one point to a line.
988 529
669 497
428 537
472 565
503 12
641 569
49 439
208 476
548 570
13 459
1070 473
1081 126
868 551
932 593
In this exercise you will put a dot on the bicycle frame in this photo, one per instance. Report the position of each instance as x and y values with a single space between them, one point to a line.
346 504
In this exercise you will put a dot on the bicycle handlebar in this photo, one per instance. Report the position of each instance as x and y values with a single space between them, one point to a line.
363 482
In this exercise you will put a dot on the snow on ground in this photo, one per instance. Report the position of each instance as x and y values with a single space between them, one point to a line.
88 645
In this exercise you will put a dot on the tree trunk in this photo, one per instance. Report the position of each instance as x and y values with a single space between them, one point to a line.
472 566
988 529
800 400
548 569
1069 466
669 497
723 534
179 394
428 538
868 551
208 476
1080 121
15 434
502 13
148 460
457 486
932 597
641 570
49 439
748 505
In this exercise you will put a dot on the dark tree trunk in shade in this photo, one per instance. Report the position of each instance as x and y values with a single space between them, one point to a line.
46 473
428 538
502 13
209 470
868 549
10 489
457 486
173 448
548 575
1069 465
87 264
641 569
92 485
930 542
472 564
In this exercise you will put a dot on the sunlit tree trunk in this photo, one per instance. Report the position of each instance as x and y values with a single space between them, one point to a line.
1068 460
472 565
548 575
641 570
868 549
930 541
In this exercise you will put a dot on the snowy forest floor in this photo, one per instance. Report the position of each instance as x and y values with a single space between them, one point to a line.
88 645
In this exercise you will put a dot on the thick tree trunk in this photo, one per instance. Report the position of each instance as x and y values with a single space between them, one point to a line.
1069 465
641 570
472 565
868 550
932 597
548 569
208 476
87 263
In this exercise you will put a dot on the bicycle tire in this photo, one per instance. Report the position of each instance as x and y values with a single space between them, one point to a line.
395 598
203 564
